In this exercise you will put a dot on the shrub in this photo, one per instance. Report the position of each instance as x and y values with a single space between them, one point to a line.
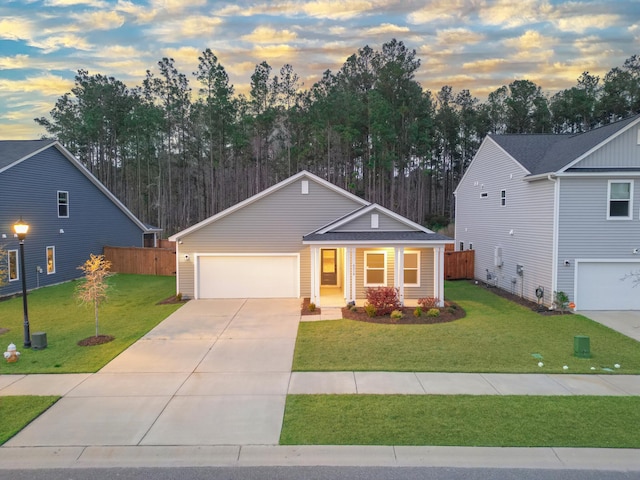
384 299
451 309
417 312
370 310
560 301
428 302
433 312
312 307
397 314
179 297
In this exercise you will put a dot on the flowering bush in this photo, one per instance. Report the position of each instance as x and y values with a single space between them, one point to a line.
384 299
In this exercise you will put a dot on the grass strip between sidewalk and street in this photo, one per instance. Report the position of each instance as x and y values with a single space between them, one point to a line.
496 336
129 312
491 421
17 412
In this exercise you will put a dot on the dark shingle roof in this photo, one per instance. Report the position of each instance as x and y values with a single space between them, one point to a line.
549 153
399 236
13 150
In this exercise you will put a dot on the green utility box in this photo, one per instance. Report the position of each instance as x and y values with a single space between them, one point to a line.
39 340
581 347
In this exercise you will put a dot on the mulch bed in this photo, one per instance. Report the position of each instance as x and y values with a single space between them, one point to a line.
449 313
541 309
92 341
304 310
172 300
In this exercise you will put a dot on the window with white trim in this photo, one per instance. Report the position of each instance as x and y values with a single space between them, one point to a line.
411 269
12 267
63 204
619 197
375 269
51 260
503 197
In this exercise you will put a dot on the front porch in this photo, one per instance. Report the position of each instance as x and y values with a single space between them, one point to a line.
341 274
334 297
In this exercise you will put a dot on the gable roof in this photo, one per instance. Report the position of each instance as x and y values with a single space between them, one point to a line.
411 226
414 233
14 152
304 173
547 153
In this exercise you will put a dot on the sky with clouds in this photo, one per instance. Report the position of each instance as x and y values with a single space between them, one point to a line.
479 45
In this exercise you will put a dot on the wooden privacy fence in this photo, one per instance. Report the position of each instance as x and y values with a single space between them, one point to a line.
459 265
146 261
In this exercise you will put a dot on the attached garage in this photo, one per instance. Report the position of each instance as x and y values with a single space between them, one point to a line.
600 285
247 276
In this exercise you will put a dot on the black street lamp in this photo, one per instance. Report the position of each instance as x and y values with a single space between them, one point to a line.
21 230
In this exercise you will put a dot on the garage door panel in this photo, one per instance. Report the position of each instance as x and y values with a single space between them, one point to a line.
601 286
248 276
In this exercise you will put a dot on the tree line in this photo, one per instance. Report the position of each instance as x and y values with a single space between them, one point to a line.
179 148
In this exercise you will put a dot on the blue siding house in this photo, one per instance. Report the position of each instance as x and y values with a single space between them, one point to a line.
70 213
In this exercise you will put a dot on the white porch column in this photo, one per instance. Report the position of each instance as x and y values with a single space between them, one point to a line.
346 287
398 273
315 284
438 275
351 253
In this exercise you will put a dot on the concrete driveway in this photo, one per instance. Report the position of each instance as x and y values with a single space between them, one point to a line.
626 322
216 372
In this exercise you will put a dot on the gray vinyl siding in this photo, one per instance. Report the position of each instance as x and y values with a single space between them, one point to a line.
523 227
426 288
585 232
363 224
29 189
273 224
623 151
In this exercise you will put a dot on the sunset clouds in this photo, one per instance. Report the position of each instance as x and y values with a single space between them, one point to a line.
474 44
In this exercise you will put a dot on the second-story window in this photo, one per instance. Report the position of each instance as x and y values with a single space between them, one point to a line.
63 204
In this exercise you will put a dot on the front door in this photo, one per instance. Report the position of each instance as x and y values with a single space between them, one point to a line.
329 263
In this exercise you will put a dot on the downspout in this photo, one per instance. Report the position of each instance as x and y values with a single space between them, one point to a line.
178 242
556 217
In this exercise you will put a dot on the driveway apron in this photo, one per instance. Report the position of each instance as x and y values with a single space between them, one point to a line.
215 372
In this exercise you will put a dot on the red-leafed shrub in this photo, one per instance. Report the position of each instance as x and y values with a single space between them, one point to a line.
384 299
428 302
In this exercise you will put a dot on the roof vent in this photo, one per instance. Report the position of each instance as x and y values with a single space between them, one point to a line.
374 220
305 187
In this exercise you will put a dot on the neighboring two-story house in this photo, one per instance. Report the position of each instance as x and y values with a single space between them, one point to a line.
547 213
70 214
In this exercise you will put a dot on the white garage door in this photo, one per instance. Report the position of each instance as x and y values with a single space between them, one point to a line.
248 276
601 286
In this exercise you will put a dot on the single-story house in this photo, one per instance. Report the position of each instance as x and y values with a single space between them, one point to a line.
307 238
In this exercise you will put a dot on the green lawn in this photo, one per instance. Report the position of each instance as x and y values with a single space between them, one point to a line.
510 421
495 336
17 412
129 313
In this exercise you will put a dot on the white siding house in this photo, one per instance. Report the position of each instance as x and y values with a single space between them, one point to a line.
547 213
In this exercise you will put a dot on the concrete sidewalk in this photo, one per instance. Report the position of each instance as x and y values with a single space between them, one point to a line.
179 384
